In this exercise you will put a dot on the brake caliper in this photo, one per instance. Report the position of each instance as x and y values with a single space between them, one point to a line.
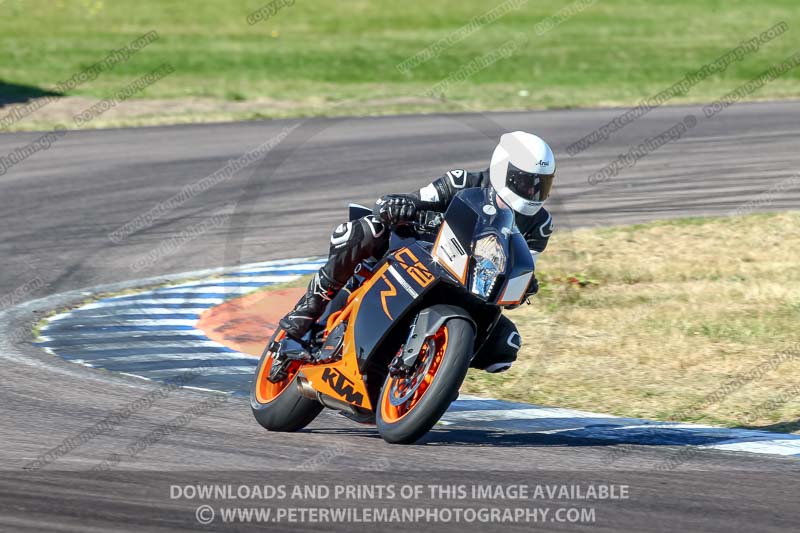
398 368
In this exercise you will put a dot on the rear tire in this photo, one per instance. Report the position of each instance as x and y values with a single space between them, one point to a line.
280 407
410 426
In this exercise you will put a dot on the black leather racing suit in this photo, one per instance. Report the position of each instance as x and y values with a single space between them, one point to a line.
355 241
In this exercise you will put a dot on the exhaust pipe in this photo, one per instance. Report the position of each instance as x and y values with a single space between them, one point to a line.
333 403
307 391
304 387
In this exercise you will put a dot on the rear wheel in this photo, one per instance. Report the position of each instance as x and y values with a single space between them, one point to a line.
280 406
409 406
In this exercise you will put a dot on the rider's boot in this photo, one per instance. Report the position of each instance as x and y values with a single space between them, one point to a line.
351 243
310 307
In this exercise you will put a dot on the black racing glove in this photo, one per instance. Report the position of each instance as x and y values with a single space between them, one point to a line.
395 209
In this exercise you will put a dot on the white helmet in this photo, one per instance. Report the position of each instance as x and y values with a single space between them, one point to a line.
522 171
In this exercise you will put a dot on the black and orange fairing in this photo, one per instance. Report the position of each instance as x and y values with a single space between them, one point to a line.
392 289
342 379
406 278
414 267
516 280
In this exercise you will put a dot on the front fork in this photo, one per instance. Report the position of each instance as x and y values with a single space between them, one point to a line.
425 326
403 362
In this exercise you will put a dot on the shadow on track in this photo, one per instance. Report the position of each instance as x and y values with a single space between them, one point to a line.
605 435
780 427
472 437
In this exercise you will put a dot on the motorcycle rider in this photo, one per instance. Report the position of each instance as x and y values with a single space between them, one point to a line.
521 172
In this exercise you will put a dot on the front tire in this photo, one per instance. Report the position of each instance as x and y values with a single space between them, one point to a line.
405 423
280 406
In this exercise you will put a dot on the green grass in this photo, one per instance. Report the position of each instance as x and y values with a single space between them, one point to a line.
328 57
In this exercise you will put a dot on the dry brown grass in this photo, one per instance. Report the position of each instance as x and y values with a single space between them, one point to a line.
680 309
672 312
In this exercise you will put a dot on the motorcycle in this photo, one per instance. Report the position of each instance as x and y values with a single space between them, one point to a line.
395 348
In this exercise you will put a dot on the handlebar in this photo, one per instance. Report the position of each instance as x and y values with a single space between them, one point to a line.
428 220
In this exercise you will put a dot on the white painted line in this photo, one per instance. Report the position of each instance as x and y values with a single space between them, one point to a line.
518 414
97 313
59 316
776 447
263 279
135 376
139 322
305 263
223 289
188 356
607 429
197 295
90 335
215 371
187 346
663 425
200 302
206 390
469 397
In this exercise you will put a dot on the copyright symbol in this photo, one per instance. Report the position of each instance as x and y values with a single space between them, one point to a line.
204 514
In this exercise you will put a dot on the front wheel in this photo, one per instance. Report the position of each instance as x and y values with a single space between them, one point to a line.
280 406
409 406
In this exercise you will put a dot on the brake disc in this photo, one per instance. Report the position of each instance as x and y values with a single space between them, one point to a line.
396 397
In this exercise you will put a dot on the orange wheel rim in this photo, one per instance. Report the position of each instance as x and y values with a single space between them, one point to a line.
432 353
266 391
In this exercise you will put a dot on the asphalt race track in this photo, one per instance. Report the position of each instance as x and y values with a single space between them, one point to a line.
59 206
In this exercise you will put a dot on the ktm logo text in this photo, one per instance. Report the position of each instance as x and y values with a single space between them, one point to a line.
342 385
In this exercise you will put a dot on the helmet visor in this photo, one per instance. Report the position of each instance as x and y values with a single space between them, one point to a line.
533 187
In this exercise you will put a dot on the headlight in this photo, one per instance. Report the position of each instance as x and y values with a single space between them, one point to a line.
490 262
